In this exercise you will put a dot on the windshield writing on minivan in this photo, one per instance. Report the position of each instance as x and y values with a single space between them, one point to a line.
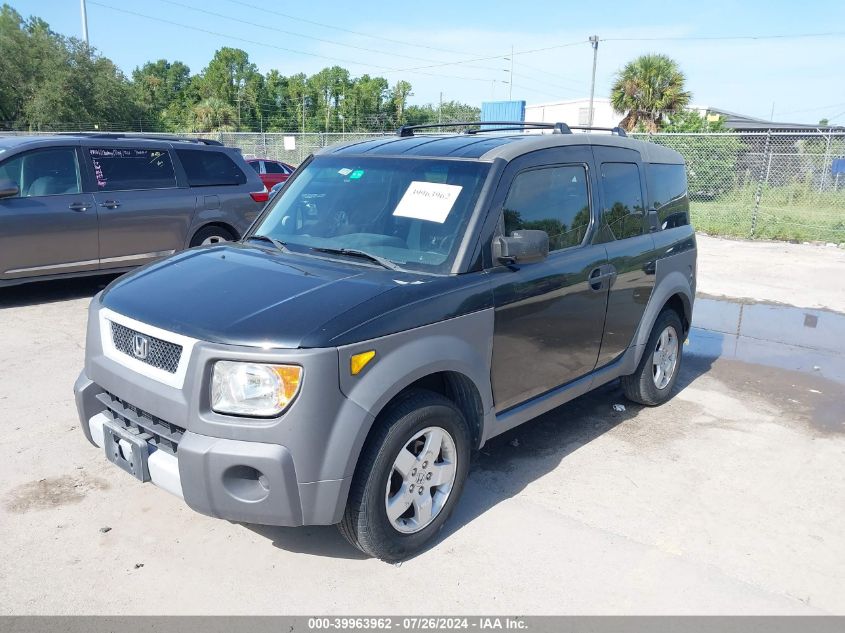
410 211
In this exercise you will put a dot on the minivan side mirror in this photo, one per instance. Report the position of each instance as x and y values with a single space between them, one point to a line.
521 247
9 189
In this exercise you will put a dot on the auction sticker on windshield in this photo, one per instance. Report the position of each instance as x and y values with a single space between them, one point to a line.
429 201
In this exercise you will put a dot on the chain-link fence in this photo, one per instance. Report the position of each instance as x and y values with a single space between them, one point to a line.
787 186
771 185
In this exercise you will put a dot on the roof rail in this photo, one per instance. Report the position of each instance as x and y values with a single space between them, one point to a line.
558 128
147 137
613 130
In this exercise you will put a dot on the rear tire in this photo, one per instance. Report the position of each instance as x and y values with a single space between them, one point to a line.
211 235
657 372
409 477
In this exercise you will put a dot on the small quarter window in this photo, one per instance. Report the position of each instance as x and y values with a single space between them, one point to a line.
667 191
209 168
623 204
551 199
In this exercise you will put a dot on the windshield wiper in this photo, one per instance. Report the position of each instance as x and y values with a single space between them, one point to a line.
280 245
354 252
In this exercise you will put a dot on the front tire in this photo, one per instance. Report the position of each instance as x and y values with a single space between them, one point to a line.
657 372
409 477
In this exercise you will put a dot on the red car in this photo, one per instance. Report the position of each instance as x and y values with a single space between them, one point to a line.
271 172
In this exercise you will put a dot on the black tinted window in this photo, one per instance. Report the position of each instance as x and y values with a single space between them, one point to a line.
43 172
117 168
554 200
256 166
667 190
623 212
209 168
274 168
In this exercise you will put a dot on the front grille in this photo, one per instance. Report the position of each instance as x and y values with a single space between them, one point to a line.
160 433
159 354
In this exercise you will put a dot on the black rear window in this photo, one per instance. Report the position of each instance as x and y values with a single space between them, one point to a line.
667 190
119 168
208 168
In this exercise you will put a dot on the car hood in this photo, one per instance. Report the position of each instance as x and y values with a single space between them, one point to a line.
239 294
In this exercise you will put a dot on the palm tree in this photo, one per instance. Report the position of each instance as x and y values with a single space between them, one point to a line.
647 89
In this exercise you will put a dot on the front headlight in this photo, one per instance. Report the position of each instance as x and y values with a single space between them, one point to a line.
253 389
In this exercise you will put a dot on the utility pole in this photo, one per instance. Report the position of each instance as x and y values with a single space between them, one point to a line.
440 109
510 78
594 42
84 12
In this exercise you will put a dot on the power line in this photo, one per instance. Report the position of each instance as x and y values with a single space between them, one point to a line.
264 9
783 36
281 48
481 59
302 35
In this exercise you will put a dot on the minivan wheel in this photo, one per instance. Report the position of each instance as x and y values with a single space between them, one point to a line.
211 235
409 477
657 372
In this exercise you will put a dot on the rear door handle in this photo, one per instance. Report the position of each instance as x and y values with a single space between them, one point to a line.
110 204
78 206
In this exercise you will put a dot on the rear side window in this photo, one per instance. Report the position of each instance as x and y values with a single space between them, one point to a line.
121 168
208 168
551 199
274 168
624 209
667 191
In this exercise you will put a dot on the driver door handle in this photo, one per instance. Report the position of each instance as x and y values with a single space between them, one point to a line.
110 204
597 276
78 206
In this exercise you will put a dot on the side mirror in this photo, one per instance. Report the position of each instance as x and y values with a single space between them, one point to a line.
521 247
9 189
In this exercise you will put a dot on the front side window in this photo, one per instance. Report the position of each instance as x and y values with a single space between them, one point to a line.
411 211
43 172
210 168
552 199
124 168
624 210
256 166
667 191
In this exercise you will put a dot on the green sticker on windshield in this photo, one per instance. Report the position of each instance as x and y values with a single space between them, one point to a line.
355 175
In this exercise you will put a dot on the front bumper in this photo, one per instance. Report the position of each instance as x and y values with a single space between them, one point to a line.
235 479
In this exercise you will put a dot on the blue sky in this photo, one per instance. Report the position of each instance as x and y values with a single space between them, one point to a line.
803 78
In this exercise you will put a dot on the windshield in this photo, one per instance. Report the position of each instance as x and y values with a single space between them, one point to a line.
410 211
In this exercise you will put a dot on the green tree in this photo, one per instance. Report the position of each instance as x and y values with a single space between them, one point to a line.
691 121
399 99
158 90
213 114
647 90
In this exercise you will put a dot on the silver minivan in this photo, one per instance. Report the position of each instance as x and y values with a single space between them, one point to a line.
100 203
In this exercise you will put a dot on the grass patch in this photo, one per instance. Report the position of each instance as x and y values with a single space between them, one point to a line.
792 212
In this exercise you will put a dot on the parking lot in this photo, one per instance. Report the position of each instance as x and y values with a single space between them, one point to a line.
730 498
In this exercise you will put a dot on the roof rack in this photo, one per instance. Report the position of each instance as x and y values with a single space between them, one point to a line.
619 131
559 128
150 137
503 126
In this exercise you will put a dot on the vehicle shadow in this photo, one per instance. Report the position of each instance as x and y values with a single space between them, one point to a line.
314 540
510 462
39 292
506 465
